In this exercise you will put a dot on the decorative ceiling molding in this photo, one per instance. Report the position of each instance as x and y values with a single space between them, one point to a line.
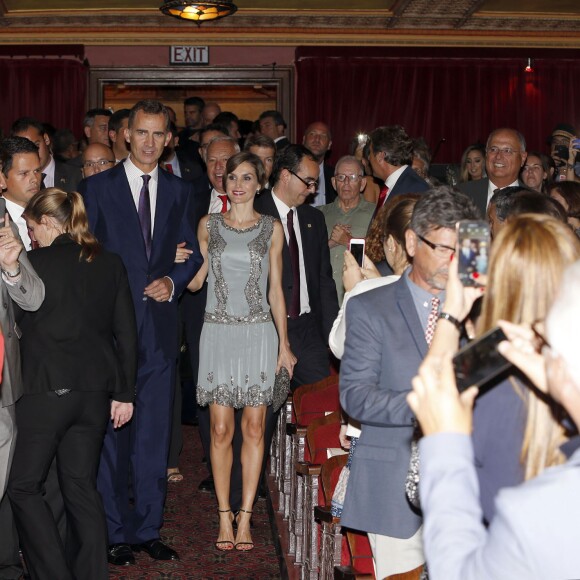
409 23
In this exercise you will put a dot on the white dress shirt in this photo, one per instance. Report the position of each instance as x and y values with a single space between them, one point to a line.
393 178
283 210
49 173
174 162
491 187
215 204
135 178
15 211
320 196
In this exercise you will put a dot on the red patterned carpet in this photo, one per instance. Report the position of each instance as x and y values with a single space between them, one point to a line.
191 529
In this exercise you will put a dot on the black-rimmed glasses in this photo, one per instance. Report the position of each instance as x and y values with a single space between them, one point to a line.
309 184
440 250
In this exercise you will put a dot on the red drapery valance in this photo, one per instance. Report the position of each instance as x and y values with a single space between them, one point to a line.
459 96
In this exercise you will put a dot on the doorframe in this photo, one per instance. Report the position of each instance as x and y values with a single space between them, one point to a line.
282 77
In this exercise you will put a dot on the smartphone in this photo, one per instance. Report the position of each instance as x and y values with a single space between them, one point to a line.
362 138
357 249
473 241
2 209
562 152
478 362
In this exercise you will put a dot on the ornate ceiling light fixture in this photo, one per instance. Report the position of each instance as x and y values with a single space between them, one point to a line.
198 11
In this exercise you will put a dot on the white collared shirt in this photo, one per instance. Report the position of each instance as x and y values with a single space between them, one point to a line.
49 173
174 162
491 187
135 178
215 204
393 178
15 211
283 210
320 196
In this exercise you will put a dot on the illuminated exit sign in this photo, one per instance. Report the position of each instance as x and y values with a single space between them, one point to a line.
189 55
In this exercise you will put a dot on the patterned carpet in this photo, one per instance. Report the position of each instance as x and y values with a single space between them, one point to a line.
191 529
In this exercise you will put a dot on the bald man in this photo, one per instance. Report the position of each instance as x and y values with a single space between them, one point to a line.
96 158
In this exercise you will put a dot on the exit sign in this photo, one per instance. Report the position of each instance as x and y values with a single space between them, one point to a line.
189 55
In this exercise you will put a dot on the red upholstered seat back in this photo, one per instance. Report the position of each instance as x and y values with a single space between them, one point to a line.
321 434
360 552
316 400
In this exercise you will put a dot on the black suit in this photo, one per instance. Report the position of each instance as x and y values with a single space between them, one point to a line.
66 177
478 190
82 338
329 191
190 168
282 144
408 182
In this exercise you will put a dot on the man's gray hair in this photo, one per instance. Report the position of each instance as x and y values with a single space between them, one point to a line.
350 159
520 137
224 138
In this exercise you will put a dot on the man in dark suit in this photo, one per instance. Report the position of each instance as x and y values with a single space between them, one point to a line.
294 178
179 162
390 156
118 123
318 140
54 173
142 213
20 169
265 149
272 125
387 337
506 155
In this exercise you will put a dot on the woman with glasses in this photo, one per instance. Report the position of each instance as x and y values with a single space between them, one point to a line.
515 432
244 341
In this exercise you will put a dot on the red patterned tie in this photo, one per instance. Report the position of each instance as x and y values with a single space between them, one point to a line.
381 200
224 199
169 168
432 320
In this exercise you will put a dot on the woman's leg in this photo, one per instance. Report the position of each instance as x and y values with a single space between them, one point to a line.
253 425
77 462
41 421
222 432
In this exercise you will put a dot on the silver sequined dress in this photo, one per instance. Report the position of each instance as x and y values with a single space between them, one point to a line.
239 343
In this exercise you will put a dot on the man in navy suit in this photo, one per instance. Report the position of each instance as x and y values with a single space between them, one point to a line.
141 213
390 156
385 343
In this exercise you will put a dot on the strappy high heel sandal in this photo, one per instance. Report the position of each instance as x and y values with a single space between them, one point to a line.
244 546
225 545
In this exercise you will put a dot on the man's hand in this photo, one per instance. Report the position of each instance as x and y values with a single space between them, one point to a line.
160 290
340 235
121 413
182 254
10 247
436 401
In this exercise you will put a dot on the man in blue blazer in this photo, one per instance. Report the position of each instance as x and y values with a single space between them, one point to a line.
385 344
390 156
141 213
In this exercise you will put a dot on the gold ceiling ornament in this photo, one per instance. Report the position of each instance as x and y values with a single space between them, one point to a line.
199 11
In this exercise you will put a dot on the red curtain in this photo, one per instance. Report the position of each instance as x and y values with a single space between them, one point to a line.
51 90
456 96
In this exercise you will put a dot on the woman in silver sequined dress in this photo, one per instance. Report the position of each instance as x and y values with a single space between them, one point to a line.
244 341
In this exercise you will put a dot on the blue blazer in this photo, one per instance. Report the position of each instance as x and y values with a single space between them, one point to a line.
114 220
409 182
385 344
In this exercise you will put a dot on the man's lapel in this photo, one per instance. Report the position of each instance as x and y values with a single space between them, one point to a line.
409 312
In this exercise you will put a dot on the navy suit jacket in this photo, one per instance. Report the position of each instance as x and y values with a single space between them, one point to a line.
477 191
114 220
409 182
385 344
321 287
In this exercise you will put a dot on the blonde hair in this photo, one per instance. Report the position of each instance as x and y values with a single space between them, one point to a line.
528 259
68 209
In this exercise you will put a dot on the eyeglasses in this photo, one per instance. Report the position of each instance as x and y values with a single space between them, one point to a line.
507 151
342 177
309 184
440 250
99 163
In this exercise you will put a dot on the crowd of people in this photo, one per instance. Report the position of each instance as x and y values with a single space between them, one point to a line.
224 240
